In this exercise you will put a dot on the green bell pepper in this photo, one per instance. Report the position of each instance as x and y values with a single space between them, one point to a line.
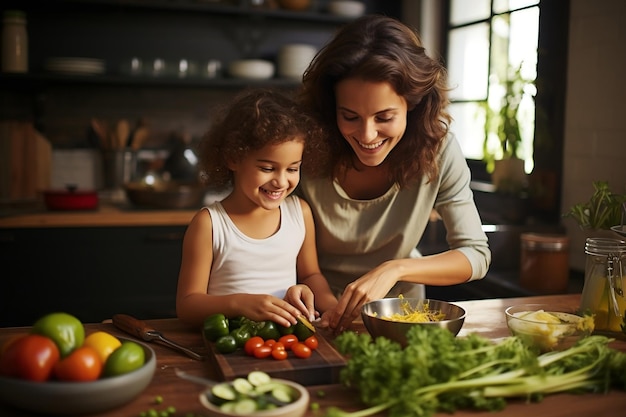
269 330
215 326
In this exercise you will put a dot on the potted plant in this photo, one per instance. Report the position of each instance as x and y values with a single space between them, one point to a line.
502 122
602 211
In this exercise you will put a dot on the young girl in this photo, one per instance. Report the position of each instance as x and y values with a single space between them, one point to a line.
253 254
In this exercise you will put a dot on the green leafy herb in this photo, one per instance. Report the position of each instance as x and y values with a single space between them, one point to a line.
438 372
602 211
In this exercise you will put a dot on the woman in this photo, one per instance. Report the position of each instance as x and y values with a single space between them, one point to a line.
389 161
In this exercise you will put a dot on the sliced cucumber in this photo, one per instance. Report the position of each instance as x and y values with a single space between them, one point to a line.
247 395
228 407
258 378
283 394
242 385
262 389
224 391
245 406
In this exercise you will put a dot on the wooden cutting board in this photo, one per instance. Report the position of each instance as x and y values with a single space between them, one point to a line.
322 367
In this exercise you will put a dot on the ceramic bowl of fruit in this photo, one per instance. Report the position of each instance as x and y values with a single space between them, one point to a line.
393 317
548 327
257 395
79 397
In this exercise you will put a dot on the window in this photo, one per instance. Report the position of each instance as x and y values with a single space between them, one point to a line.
490 42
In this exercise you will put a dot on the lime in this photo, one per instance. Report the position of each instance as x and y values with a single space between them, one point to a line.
126 358
66 330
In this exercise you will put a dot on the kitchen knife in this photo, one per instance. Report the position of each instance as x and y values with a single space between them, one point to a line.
140 329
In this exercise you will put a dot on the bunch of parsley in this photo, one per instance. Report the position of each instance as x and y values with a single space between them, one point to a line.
438 372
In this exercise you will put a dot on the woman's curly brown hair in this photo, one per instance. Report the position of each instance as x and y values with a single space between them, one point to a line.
381 49
252 120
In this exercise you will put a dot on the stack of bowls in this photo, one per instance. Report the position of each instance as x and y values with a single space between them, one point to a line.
294 58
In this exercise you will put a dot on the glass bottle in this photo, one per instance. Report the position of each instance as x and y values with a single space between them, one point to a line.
14 42
603 290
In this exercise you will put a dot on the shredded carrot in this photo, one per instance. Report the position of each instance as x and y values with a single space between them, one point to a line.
411 315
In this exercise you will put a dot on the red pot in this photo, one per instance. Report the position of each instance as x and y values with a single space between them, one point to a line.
71 199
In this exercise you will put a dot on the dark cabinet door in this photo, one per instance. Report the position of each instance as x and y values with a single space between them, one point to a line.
92 273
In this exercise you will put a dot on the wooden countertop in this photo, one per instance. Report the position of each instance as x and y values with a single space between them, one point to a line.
484 317
106 215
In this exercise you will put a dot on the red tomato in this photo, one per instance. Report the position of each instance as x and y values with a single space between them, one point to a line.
30 357
262 352
278 345
301 350
82 364
288 340
312 342
253 343
270 342
279 354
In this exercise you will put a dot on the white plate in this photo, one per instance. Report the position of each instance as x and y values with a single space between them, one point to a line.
75 65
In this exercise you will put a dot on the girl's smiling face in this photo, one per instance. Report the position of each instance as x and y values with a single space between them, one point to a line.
371 116
267 176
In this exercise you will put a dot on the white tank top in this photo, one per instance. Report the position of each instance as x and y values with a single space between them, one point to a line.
242 264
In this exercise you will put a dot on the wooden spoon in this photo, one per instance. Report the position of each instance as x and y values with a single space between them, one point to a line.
139 137
122 131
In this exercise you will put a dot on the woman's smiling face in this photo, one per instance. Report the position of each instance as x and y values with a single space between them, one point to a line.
371 116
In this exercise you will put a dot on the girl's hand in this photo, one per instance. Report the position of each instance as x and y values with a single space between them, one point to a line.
301 297
261 307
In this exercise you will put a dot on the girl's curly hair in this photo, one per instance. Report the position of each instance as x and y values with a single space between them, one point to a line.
252 120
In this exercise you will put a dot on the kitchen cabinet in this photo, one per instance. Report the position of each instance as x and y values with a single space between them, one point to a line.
115 31
91 272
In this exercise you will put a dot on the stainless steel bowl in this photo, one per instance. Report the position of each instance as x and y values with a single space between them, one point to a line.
372 313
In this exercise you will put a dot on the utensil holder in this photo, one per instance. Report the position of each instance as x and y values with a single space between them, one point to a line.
119 166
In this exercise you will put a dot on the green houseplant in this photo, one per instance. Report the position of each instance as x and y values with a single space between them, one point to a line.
602 211
503 160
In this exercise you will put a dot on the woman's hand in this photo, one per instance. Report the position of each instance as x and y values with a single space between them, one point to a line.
261 307
301 297
371 286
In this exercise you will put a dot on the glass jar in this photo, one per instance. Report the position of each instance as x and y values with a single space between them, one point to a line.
603 290
14 42
544 262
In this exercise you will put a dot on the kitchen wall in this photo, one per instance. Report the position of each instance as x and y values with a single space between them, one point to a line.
595 132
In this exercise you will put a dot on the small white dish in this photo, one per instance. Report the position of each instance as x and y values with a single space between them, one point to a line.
251 69
346 8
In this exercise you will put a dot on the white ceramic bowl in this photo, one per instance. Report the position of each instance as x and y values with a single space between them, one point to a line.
65 398
294 58
295 409
251 69
347 8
